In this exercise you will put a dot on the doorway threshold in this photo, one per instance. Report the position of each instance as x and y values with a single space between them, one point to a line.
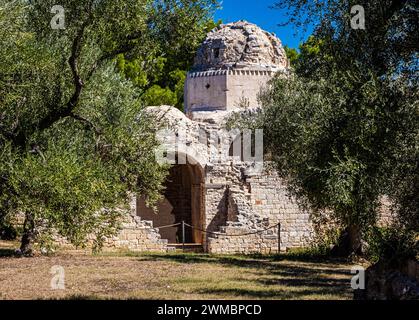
187 247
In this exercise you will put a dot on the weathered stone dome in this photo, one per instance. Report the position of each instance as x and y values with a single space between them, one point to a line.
240 45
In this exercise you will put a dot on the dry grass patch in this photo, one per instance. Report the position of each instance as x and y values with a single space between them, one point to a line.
173 276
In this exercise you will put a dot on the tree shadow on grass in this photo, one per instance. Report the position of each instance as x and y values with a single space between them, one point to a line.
81 297
7 253
289 282
287 279
245 293
248 261
289 270
238 261
319 279
304 282
299 279
273 294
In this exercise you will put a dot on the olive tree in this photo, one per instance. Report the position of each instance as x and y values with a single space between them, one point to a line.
74 138
342 127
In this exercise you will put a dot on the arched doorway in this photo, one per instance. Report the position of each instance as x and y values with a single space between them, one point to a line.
183 201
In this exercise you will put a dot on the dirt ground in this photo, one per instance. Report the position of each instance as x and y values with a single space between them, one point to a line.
172 276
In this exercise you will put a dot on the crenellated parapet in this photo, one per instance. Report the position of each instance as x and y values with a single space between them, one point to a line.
231 72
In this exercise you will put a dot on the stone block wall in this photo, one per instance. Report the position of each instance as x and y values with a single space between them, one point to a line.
270 200
263 243
136 235
238 93
238 204
164 217
206 91
224 89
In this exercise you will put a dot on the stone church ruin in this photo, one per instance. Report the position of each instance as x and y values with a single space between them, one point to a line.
227 206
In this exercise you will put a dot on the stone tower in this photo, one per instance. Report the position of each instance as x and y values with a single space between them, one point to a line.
235 61
227 202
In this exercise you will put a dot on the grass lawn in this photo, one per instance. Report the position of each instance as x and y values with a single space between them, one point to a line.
173 276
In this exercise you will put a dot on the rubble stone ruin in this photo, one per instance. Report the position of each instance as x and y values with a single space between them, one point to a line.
228 205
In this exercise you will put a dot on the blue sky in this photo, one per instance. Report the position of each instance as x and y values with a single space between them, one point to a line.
258 12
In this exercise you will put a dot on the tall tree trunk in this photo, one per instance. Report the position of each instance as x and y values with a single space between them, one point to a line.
354 239
28 235
349 242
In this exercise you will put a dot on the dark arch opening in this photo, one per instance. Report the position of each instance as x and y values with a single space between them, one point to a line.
183 201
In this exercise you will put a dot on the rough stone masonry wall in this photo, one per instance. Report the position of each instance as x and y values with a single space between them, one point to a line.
270 200
239 95
136 235
237 204
206 91
265 243
224 89
238 45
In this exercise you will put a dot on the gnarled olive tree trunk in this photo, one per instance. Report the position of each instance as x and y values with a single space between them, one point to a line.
349 243
28 235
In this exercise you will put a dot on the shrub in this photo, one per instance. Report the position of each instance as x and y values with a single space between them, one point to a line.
7 231
392 244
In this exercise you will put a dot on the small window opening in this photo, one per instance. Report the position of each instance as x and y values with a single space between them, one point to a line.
216 53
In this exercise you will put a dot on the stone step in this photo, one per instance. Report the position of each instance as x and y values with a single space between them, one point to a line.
189 247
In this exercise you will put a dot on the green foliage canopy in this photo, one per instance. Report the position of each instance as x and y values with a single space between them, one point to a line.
74 140
177 29
343 129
